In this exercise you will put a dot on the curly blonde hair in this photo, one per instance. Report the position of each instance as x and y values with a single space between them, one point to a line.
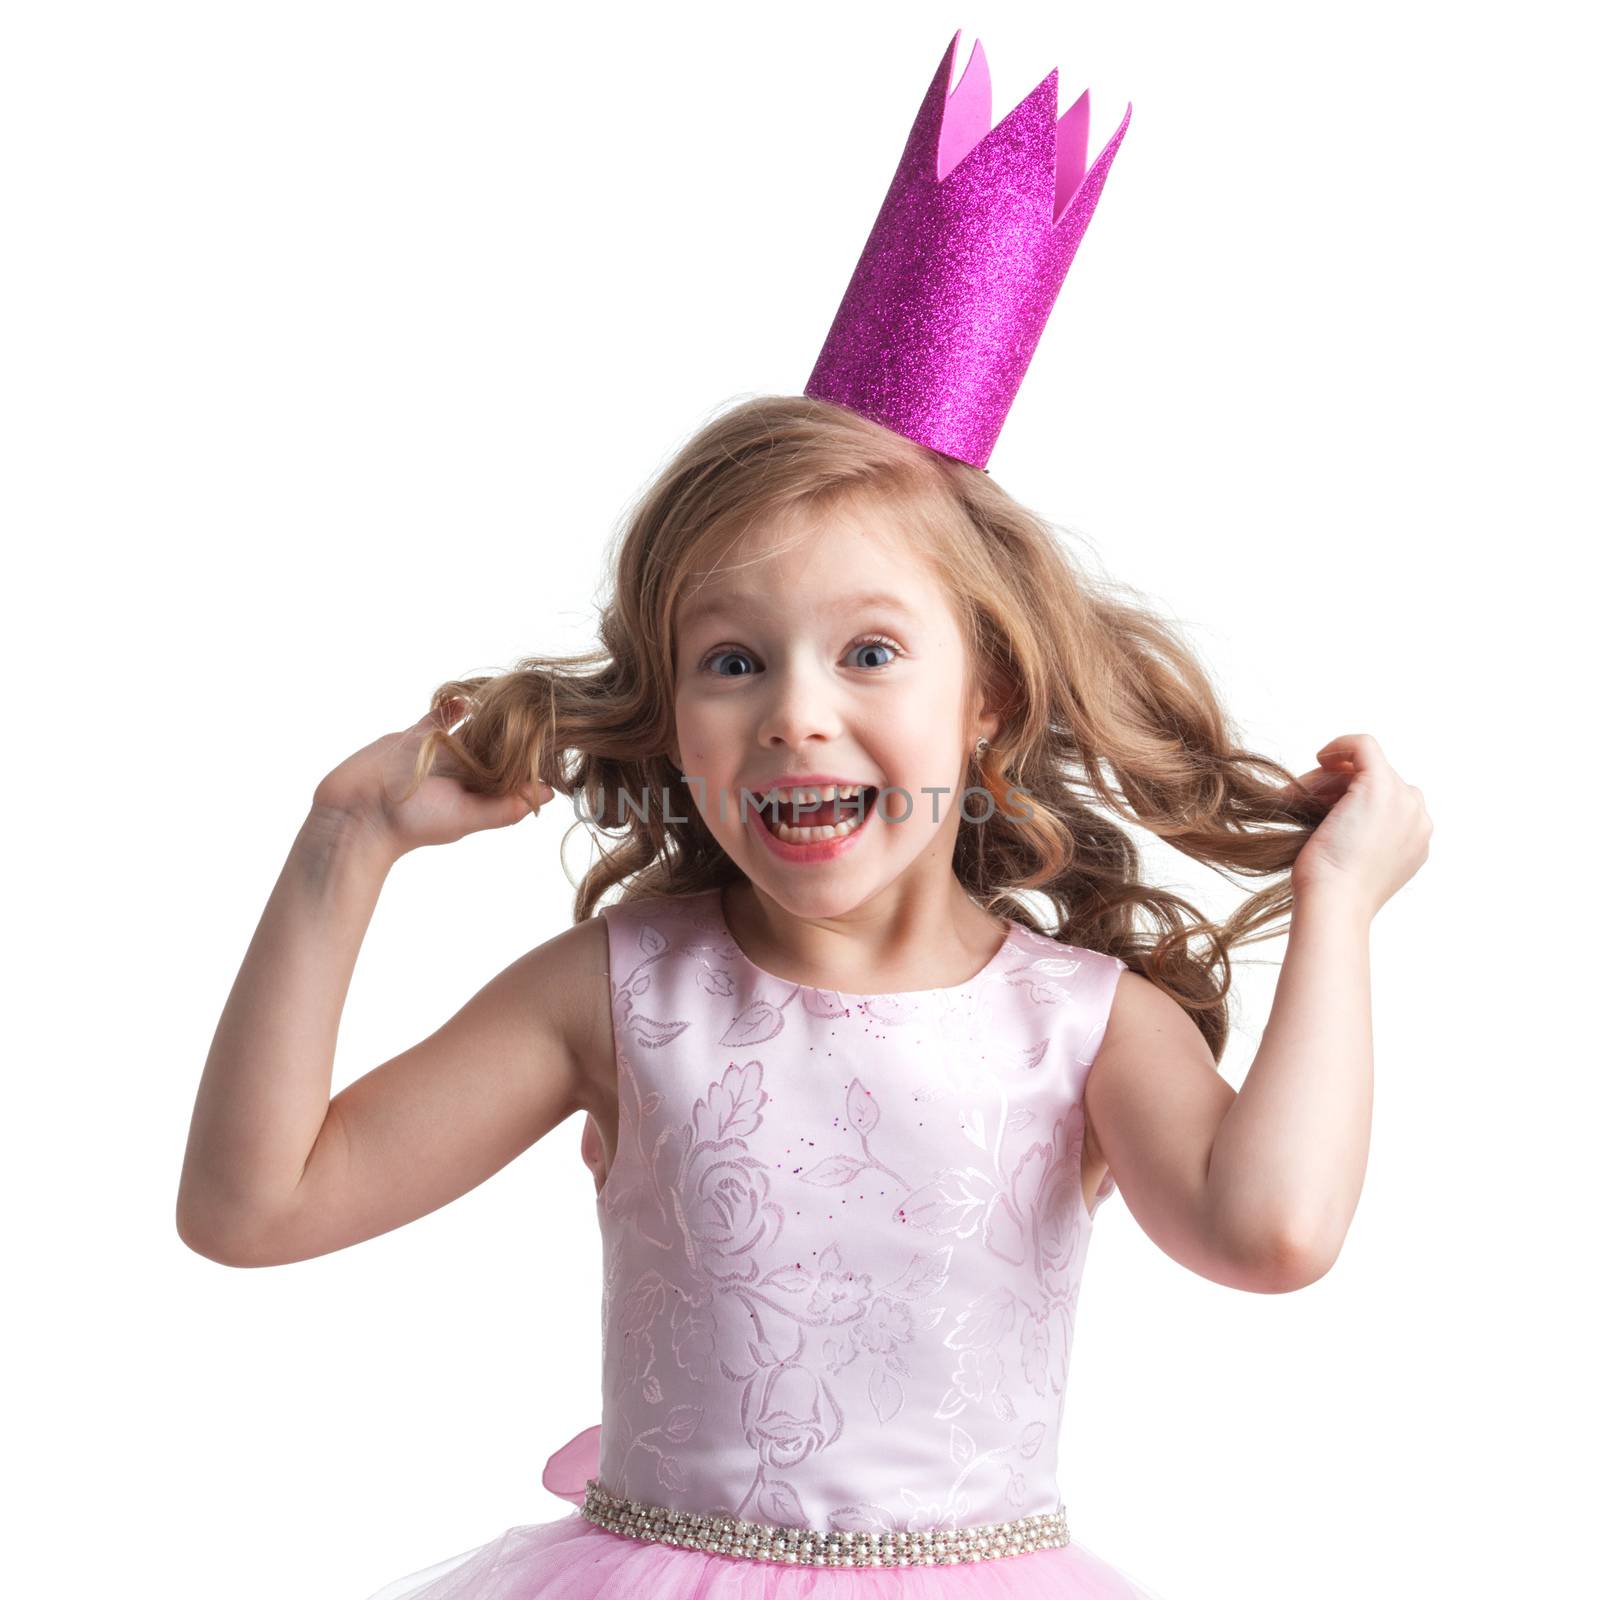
1106 715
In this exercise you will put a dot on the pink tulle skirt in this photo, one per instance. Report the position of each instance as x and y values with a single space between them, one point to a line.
572 1559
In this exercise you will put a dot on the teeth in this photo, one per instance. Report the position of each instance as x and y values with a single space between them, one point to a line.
813 795
829 791
813 835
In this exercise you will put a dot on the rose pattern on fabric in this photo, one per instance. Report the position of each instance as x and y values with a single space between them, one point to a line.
840 1231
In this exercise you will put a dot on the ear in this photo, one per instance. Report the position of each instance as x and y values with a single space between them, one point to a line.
990 697
988 724
999 700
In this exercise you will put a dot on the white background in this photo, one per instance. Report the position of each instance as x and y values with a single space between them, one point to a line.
337 337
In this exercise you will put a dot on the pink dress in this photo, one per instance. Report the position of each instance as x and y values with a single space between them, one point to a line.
842 1242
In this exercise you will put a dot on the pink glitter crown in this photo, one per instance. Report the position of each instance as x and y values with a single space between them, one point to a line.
964 263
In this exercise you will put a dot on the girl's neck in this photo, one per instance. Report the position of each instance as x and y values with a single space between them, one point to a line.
902 939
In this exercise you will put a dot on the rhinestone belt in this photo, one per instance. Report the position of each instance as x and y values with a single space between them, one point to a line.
730 1536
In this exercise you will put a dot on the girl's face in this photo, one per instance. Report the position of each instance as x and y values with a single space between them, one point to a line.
837 659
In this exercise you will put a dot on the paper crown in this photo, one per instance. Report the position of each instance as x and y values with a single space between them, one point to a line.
964 263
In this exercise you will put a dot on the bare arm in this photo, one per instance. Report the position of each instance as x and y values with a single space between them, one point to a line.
1257 1189
274 1170
1290 1157
1254 1189
263 1095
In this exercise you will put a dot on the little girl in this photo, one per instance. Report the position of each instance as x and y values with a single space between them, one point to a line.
882 1010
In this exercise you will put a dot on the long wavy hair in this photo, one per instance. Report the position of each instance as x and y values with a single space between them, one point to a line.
1107 717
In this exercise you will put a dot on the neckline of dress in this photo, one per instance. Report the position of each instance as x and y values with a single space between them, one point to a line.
984 973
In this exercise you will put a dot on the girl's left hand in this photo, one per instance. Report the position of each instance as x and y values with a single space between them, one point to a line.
1375 837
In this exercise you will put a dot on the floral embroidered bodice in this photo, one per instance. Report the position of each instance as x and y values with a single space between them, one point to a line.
842 1234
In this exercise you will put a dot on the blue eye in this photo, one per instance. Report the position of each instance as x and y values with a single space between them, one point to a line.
874 641
715 654
877 642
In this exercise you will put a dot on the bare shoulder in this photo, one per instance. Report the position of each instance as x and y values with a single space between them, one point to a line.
584 971
570 976
1155 1100
1152 1055
1144 1013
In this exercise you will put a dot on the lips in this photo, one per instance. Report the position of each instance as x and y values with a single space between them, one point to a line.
814 852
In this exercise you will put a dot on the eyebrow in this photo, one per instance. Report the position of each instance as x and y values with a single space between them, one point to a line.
740 605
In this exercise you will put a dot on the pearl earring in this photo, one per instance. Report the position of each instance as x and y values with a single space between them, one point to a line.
981 746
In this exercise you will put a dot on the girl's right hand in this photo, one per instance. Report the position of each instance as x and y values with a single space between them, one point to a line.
366 791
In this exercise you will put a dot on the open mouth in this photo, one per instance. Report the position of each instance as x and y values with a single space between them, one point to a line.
816 821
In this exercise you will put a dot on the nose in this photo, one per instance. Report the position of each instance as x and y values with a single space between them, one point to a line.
799 708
